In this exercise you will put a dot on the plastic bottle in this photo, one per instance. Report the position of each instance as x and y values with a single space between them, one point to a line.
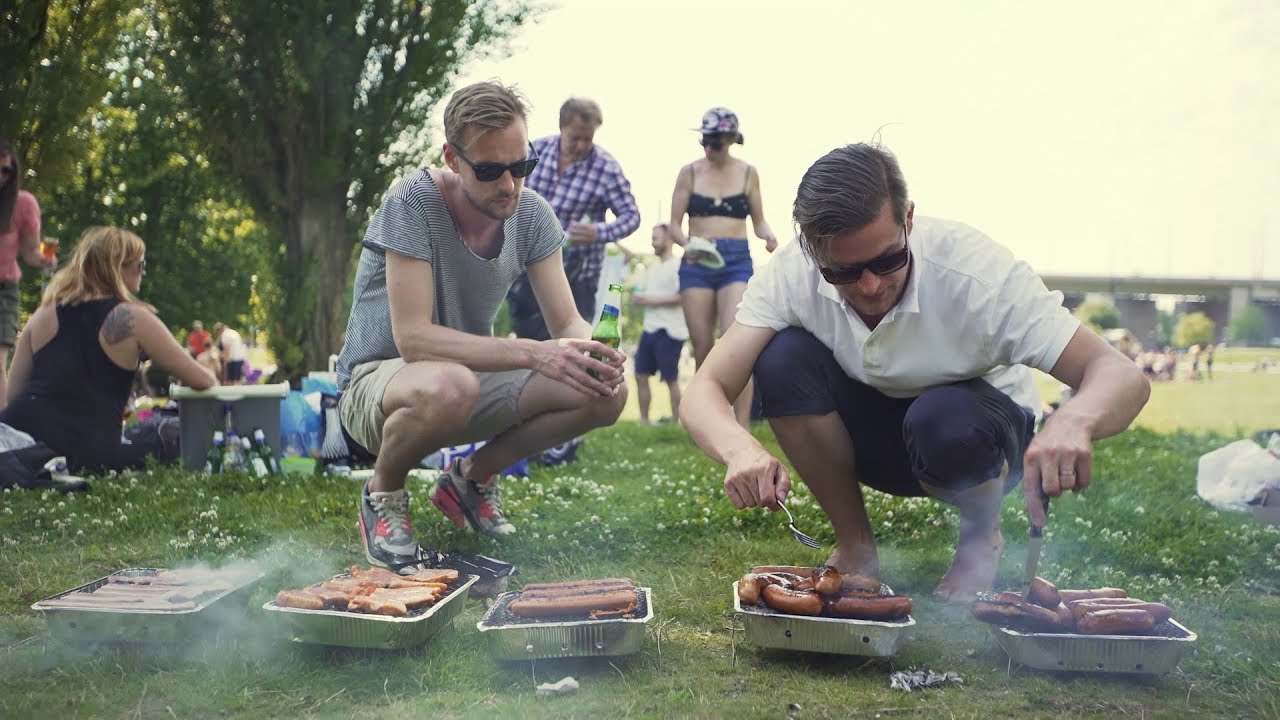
232 457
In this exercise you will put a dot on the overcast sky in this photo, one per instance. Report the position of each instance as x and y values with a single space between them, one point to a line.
1132 137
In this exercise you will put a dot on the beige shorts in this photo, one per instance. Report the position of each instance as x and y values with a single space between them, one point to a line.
361 403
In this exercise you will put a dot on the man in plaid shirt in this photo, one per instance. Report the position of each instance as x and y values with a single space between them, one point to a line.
581 181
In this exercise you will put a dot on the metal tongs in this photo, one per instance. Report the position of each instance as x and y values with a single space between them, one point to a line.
1035 542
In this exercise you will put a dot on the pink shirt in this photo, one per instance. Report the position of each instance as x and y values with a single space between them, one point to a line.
25 222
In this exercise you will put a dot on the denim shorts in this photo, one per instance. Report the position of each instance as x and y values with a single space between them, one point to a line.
737 267
954 436
659 352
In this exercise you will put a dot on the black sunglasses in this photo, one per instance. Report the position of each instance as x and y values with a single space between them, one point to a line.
883 265
6 169
710 141
488 171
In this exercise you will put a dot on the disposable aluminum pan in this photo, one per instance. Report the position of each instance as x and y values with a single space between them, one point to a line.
135 625
512 638
768 628
363 630
1154 654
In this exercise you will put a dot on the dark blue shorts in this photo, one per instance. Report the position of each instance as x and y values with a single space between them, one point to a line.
737 267
659 352
954 436
235 370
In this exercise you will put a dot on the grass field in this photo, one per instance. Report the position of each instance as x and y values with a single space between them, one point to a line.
644 503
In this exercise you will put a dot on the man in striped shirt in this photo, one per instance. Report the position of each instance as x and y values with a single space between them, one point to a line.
420 368
582 181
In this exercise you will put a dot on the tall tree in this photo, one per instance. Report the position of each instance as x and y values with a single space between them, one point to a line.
143 170
55 60
305 101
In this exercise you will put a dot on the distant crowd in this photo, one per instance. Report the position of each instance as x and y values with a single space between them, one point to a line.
1163 364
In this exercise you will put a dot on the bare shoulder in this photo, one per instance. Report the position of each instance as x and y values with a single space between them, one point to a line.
123 321
42 326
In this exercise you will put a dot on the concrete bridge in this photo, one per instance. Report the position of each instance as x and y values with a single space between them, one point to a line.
1135 297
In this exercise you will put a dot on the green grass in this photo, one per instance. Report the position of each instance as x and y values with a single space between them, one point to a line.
644 503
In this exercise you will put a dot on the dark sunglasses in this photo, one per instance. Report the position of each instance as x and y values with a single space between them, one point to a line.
883 265
488 171
710 141
6 170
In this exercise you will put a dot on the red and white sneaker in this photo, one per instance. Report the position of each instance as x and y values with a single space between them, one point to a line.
385 529
470 504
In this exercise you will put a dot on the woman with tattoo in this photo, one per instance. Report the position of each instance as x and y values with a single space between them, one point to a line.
75 360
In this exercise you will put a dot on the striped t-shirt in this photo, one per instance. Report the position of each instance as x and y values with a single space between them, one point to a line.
414 221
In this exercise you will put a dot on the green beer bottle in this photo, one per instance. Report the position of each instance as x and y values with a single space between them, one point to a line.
213 460
607 330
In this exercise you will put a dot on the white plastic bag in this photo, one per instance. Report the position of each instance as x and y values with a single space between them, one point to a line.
1229 477
13 439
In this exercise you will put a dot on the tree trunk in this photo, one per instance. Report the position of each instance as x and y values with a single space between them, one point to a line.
318 243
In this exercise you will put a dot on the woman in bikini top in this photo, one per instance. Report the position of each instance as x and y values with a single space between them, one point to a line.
718 192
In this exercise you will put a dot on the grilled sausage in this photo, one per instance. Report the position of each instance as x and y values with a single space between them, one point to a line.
1022 615
792 602
1071 595
1115 621
1043 593
749 589
827 580
1159 611
789 569
867 607
790 581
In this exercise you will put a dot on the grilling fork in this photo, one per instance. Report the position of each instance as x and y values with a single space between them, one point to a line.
1034 543
804 539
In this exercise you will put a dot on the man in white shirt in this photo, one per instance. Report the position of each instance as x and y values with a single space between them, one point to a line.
664 327
231 352
894 351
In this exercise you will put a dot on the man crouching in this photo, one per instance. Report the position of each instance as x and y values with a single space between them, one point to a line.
894 351
420 368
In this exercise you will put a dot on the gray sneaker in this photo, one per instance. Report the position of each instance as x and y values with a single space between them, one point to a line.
385 529
470 504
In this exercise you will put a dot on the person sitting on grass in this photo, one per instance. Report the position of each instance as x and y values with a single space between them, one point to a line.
77 356
894 351
420 369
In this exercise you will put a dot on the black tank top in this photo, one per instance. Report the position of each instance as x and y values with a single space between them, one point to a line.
735 206
75 394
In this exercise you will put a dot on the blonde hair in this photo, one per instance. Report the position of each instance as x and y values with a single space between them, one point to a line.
93 271
485 106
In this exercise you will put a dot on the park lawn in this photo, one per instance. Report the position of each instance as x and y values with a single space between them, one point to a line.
644 503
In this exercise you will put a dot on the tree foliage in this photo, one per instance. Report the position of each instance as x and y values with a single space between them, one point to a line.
54 69
1248 327
1193 329
142 170
1098 314
312 106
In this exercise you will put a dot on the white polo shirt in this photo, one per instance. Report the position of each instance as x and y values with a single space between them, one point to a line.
970 309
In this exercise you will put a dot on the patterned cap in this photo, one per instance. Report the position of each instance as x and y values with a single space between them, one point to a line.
720 121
